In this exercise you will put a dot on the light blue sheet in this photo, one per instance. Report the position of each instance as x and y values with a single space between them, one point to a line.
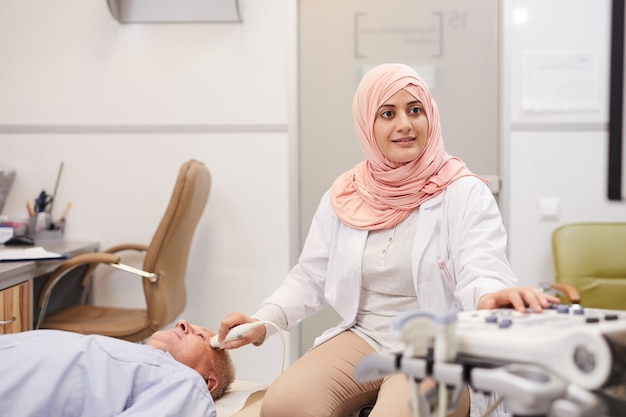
54 373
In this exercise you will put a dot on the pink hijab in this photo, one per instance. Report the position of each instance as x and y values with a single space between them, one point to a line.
378 193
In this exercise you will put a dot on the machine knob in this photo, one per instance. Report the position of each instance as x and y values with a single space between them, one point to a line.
584 359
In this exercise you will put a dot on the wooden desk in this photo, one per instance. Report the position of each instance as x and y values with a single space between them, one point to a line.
17 283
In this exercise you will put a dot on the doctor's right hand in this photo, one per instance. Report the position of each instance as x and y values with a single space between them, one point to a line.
234 319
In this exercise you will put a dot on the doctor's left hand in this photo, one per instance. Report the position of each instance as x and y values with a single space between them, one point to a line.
517 297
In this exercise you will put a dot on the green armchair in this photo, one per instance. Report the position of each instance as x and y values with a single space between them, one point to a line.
591 257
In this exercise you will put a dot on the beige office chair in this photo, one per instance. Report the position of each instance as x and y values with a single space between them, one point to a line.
163 273
591 257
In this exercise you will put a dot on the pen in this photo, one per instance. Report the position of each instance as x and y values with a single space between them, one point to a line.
56 186
29 207
65 210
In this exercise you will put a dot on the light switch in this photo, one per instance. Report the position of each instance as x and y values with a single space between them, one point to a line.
549 208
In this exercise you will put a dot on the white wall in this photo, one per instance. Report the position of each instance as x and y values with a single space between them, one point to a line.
554 154
123 106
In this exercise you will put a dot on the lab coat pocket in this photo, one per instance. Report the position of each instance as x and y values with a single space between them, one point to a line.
445 268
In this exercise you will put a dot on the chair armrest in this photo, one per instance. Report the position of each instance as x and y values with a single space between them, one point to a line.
124 247
138 247
570 292
86 258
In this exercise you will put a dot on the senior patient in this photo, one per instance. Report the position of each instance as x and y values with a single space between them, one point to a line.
58 373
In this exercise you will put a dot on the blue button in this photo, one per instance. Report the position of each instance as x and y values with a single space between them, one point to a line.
491 319
562 309
504 323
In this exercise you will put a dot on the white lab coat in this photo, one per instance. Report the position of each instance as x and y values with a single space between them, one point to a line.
459 254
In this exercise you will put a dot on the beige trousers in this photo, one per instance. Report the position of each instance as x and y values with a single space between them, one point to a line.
321 384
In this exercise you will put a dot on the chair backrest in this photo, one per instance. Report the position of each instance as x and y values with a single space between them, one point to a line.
592 258
168 252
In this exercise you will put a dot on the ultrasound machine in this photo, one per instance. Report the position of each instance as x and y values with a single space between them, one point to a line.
567 361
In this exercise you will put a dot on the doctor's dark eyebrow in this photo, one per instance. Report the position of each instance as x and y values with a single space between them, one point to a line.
410 103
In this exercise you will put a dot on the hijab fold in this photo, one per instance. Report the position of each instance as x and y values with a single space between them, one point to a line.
379 193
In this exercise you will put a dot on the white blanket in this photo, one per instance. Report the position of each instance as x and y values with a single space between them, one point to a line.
235 399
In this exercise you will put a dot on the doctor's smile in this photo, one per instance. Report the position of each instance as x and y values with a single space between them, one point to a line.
407 140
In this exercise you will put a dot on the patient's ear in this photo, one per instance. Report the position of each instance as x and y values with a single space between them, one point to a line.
211 381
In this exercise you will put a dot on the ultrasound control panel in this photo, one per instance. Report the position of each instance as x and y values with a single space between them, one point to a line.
584 346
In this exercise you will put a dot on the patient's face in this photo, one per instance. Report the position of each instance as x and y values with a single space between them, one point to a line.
187 343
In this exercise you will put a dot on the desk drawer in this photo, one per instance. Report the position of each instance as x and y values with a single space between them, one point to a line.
15 308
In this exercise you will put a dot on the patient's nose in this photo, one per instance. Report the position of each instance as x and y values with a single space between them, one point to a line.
183 325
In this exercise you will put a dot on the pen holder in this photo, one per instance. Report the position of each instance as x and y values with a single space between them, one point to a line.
41 227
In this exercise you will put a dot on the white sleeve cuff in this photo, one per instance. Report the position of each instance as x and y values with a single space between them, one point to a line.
271 313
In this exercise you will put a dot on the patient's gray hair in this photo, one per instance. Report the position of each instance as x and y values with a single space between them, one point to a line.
224 368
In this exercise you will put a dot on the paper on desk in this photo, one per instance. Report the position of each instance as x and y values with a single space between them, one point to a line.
36 253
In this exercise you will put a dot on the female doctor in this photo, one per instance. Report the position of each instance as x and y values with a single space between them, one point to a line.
410 228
